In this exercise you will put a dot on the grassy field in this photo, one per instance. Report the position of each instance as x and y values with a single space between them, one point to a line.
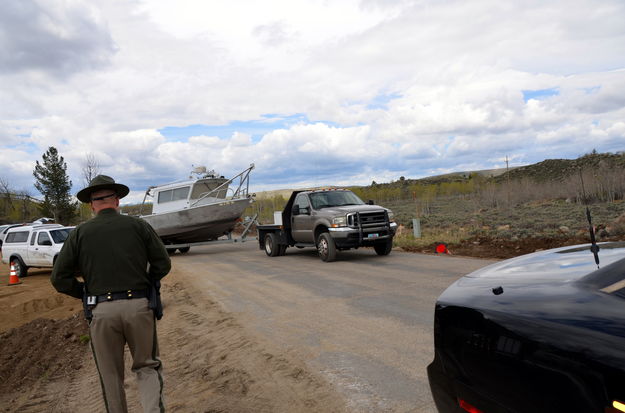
461 222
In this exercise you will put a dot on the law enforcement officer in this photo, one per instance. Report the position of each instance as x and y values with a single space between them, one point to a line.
120 259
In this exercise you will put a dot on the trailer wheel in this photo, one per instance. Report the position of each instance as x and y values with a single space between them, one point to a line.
326 247
272 248
21 270
184 250
384 247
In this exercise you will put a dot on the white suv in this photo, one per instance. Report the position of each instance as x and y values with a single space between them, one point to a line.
33 246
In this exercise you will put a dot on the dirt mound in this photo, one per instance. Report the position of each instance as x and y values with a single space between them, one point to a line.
42 349
33 298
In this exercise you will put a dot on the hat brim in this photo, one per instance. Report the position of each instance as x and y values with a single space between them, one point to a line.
85 194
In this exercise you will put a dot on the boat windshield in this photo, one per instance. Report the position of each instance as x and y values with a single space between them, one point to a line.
204 186
173 195
60 235
333 199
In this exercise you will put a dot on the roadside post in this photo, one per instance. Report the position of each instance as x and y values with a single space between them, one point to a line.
416 227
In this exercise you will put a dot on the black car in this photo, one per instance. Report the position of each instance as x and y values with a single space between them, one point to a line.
544 332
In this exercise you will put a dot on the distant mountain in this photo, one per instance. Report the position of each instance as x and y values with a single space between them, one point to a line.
461 176
559 169
547 170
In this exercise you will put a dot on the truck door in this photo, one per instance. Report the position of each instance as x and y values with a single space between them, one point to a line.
42 253
30 249
301 224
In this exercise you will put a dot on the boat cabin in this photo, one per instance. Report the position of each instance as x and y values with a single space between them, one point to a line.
188 194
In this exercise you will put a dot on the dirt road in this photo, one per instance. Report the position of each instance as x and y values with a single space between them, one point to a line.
247 333
364 322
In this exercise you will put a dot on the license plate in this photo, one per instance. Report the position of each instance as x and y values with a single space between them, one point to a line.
372 235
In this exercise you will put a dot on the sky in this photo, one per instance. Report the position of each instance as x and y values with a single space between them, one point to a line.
313 92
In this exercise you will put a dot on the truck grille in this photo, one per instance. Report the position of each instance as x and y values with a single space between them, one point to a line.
367 219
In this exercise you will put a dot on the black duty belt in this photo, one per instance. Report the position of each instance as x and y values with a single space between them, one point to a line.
122 295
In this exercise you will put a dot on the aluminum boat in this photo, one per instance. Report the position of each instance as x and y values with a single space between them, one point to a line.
202 208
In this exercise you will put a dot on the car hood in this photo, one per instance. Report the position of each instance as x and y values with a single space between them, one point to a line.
342 210
565 264
537 296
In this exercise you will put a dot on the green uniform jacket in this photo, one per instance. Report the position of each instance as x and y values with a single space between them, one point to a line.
111 252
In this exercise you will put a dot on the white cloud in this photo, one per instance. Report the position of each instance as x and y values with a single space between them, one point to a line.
58 39
105 77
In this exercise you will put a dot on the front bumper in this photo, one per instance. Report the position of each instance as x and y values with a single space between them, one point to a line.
355 237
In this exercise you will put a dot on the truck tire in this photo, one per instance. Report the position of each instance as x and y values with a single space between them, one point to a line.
282 249
326 247
184 250
20 268
272 248
384 247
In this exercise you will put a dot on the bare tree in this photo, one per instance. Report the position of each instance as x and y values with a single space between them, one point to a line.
5 191
25 205
90 168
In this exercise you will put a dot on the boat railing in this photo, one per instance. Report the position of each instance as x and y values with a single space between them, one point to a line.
241 191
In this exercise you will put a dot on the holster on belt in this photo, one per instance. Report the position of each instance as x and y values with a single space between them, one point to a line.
86 306
154 299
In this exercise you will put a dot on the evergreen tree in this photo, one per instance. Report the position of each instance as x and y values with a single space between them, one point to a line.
54 184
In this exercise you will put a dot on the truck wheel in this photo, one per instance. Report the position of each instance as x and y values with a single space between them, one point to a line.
272 248
20 268
282 249
384 247
184 250
326 247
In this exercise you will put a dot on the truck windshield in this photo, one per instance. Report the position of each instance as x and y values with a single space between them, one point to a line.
333 199
60 235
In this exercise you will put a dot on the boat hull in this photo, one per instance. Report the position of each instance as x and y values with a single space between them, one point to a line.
200 223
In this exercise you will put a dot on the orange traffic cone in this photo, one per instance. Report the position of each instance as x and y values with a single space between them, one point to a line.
13 278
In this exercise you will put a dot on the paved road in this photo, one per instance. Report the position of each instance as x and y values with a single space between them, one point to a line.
364 322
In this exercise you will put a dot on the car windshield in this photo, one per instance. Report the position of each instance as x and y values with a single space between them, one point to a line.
60 235
334 198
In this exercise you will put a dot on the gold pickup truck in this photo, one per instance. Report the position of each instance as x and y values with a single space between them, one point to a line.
329 220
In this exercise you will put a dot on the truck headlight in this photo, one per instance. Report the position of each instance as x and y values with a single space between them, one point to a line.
391 216
339 222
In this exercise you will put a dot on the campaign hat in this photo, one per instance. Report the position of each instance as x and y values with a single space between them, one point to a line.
102 182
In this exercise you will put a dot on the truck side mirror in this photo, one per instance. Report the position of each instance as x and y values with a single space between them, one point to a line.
295 210
370 202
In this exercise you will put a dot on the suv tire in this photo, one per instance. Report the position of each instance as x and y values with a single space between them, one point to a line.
20 268
272 249
384 247
326 247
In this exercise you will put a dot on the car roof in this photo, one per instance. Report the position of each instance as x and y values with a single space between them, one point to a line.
36 226
9 226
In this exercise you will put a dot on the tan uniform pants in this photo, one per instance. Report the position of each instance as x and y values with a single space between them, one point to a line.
114 324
